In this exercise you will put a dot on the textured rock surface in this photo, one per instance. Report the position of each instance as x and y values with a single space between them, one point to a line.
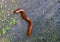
44 13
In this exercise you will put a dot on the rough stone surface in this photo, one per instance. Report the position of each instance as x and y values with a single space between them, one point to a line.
44 13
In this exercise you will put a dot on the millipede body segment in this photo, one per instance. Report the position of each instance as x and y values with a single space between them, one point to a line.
29 20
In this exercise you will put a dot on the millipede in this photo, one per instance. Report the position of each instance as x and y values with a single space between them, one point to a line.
29 20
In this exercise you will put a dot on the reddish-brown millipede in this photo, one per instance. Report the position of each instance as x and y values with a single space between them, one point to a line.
23 14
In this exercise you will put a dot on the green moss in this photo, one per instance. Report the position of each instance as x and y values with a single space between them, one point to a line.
1 32
54 37
5 29
0 22
1 5
3 18
13 21
3 11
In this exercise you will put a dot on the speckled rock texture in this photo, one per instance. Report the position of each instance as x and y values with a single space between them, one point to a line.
44 13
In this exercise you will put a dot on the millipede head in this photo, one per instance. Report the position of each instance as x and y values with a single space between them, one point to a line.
19 10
